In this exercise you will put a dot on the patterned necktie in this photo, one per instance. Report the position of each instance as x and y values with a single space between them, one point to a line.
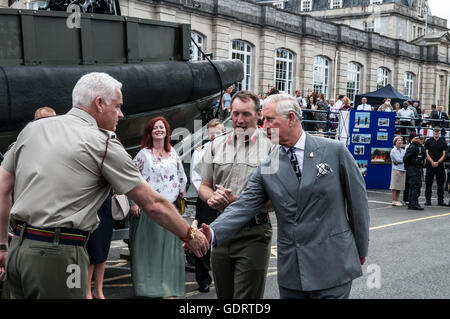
294 163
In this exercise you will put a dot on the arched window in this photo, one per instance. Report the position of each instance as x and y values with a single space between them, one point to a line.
321 75
284 67
383 77
409 84
243 51
195 52
353 80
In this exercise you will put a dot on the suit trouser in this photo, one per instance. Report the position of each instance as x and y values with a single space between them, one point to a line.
240 263
38 269
415 183
204 214
439 172
339 292
406 191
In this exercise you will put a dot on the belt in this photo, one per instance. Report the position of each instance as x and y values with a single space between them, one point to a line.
64 236
261 218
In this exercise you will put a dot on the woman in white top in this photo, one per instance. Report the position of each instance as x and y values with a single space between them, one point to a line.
398 175
157 257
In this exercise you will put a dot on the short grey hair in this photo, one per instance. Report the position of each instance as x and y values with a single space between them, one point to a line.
92 85
285 103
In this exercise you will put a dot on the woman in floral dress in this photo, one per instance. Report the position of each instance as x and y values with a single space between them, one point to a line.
157 256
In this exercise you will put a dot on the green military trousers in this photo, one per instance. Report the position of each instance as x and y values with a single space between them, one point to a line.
240 263
39 269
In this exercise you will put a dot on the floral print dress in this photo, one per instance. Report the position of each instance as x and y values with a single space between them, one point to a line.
166 175
157 256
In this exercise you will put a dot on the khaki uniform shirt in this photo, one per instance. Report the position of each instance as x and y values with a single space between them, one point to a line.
56 163
231 163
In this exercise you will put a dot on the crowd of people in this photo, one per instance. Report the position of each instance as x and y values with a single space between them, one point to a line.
408 164
235 196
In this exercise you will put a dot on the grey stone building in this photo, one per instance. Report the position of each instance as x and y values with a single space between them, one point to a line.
292 50
399 19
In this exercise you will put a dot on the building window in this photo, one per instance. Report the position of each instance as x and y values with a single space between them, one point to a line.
243 51
420 8
335 4
353 80
369 26
306 5
409 84
376 1
279 5
284 68
195 52
321 75
34 5
383 77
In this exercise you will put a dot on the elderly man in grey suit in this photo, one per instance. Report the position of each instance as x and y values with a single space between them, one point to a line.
320 200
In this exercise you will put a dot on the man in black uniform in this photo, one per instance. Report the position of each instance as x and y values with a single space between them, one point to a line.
414 161
435 149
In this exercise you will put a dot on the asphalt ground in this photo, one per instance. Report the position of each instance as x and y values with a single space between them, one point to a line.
408 256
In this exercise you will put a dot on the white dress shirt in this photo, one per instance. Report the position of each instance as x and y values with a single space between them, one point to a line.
405 113
364 107
196 179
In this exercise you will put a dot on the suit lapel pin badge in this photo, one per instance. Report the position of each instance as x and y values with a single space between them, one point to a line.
311 155
323 169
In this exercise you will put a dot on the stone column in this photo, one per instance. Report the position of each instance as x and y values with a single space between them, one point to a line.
307 53
266 61
221 39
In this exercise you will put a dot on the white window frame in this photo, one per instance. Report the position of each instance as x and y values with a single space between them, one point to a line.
34 5
245 56
278 4
283 70
383 77
335 4
302 5
196 55
420 11
354 72
321 75
369 26
409 79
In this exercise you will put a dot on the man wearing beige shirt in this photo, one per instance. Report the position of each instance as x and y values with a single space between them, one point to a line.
240 264
61 170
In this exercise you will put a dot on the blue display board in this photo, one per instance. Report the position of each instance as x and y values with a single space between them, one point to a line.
371 134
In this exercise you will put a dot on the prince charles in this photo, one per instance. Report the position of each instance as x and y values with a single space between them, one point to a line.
320 201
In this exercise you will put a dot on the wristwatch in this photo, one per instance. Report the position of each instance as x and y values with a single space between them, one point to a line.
190 235
3 246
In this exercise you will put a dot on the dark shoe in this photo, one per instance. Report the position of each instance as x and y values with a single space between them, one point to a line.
428 203
442 204
418 207
203 288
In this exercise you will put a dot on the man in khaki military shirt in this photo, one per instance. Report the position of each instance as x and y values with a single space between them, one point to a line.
61 170
240 264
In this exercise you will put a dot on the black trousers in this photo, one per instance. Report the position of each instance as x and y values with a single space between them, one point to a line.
415 183
204 214
431 172
406 191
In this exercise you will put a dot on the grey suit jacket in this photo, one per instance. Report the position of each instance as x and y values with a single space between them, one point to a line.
323 222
